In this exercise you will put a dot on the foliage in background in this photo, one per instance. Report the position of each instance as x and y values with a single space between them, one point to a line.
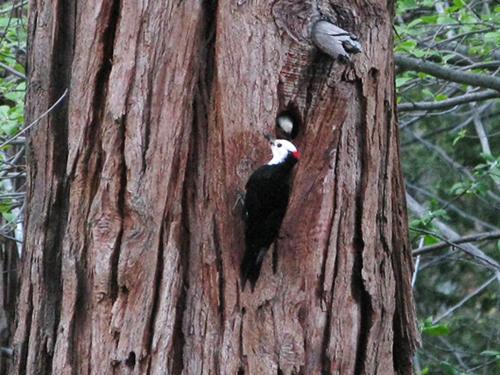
13 37
452 167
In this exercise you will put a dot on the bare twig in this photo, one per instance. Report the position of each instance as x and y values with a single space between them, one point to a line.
10 238
13 7
450 206
457 100
444 156
465 239
465 300
438 71
483 65
417 264
451 235
460 36
456 353
470 250
12 71
37 120
481 133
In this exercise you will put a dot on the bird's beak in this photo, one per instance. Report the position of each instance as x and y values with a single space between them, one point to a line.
269 137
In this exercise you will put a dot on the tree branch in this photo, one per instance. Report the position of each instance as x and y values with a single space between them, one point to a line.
481 132
450 206
438 71
460 36
417 263
444 156
12 71
457 100
483 65
469 249
464 239
11 8
463 301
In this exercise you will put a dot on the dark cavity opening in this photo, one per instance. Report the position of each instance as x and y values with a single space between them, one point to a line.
130 361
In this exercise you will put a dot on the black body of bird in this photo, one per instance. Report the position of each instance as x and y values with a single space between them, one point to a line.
266 201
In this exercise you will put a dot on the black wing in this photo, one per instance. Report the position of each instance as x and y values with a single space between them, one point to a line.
266 201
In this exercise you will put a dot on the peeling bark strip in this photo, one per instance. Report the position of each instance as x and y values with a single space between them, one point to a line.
133 248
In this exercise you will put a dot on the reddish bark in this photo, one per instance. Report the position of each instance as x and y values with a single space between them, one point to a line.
133 247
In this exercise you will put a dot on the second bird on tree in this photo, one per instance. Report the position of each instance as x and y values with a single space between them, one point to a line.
266 201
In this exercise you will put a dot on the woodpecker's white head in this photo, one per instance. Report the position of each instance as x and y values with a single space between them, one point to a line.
281 149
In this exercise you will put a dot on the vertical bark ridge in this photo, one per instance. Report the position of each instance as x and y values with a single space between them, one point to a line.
88 161
363 296
60 69
40 297
322 287
204 315
220 272
326 362
158 278
404 320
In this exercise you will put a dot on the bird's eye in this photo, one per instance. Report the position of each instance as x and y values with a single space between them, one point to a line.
279 144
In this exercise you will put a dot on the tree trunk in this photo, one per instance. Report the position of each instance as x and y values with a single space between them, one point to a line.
131 262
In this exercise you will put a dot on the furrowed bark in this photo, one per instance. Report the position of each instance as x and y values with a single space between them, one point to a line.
133 245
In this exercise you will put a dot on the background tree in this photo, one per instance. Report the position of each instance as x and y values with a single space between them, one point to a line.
132 245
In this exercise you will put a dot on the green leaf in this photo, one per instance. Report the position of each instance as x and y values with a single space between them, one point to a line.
459 188
461 135
492 37
5 206
418 53
430 240
437 330
427 93
439 213
415 22
444 19
4 113
434 329
487 157
430 19
401 81
448 369
406 46
491 353
404 5
9 216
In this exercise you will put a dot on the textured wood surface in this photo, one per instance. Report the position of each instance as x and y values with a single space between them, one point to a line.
133 246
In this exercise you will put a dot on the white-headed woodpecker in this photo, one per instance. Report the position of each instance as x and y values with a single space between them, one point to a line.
266 201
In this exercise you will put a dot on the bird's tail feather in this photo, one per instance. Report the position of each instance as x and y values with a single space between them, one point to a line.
250 267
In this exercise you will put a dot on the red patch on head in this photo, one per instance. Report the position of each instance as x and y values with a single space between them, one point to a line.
296 155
